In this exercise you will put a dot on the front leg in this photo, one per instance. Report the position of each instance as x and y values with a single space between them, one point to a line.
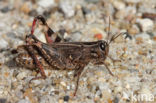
114 60
77 74
108 69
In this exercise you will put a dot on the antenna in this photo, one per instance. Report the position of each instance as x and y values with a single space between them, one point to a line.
108 30
115 36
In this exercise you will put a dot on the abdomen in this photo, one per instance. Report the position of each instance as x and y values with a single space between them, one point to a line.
25 60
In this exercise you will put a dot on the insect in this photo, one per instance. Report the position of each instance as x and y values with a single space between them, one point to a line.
61 55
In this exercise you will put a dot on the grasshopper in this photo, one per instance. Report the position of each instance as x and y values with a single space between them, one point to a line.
61 55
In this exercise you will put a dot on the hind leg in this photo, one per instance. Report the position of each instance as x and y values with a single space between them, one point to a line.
50 35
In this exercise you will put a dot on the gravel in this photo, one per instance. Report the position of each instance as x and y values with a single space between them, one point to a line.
82 20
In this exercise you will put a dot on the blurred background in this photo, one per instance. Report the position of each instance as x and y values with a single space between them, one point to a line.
83 20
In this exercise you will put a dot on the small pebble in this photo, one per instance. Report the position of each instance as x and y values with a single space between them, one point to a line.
154 38
85 10
133 30
19 94
67 8
146 24
28 93
33 13
66 98
3 44
116 100
23 101
63 83
21 75
36 82
120 14
133 1
119 5
92 1
125 95
118 89
98 36
60 101
5 9
98 32
144 36
25 8
76 36
106 95
3 100
46 3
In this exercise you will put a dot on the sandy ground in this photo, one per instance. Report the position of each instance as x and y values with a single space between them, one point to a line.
83 20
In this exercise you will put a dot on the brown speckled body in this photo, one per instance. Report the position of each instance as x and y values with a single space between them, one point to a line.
25 60
68 55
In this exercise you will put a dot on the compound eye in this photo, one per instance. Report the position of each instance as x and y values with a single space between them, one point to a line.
102 46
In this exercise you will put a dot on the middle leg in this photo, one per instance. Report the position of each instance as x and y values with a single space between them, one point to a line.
29 46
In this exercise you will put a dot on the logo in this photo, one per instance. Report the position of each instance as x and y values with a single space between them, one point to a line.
139 97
